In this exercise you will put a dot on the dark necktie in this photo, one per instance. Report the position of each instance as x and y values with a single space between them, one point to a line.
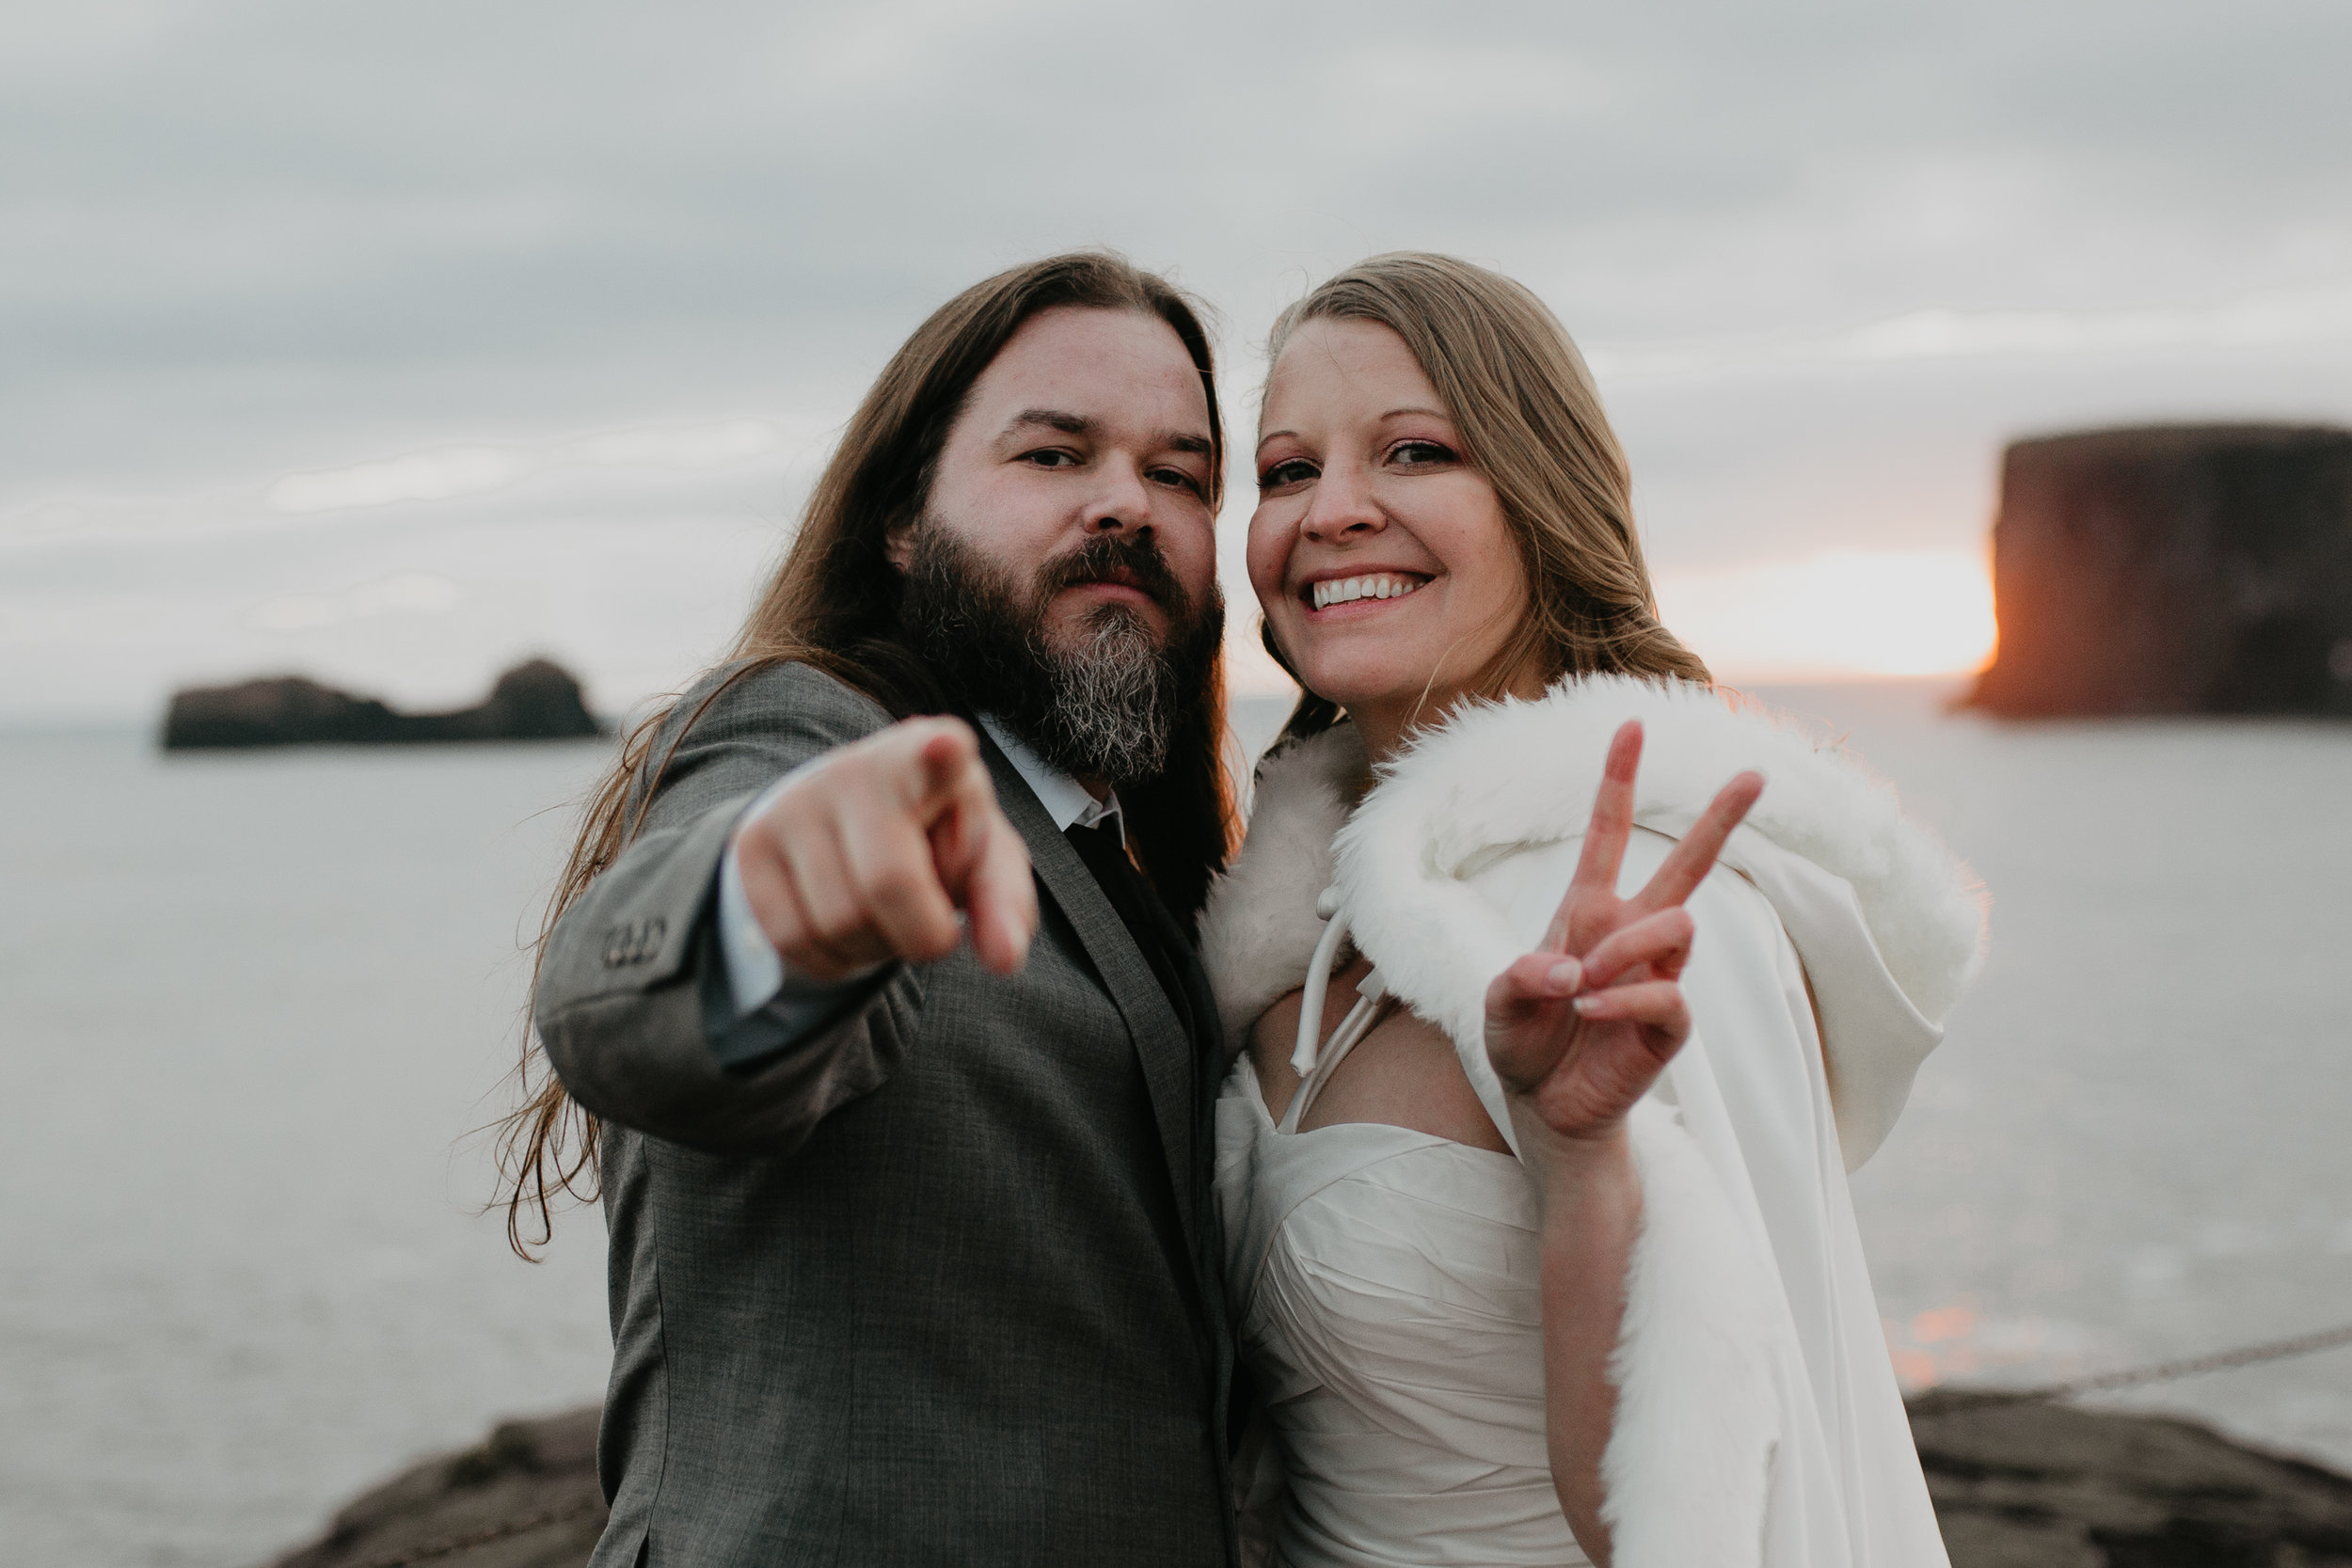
1140 911
1165 949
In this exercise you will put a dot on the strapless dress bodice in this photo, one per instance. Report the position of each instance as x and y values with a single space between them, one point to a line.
1386 1294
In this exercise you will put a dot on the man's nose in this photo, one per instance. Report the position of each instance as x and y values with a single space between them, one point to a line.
1123 504
1342 508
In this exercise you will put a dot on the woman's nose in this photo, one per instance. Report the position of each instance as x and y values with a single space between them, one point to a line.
1342 508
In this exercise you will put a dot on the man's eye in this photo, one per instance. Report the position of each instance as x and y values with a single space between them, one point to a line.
1050 457
1420 453
1290 471
1176 479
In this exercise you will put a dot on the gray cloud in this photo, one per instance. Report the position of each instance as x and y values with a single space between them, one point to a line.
252 239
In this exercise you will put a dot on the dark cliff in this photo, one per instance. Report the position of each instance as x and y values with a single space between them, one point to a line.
2174 569
2016 1486
537 701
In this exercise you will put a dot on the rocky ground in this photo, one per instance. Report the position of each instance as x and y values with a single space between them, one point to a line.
526 1497
2017 1486
2052 1487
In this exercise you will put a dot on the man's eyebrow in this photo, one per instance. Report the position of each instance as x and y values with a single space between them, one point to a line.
1051 418
1079 424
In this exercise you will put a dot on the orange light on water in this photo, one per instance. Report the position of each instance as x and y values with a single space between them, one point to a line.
1943 1322
1841 615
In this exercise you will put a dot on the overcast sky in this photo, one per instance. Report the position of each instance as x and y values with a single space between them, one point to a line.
394 343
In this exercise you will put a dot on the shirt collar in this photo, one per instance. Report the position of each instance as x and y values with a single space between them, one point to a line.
1065 800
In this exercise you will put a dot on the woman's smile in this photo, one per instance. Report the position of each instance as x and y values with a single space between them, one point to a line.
1367 502
1367 590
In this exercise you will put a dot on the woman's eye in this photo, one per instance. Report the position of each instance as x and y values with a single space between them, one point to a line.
1420 453
1290 471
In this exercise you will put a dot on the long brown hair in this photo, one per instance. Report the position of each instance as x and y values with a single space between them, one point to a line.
833 603
1532 420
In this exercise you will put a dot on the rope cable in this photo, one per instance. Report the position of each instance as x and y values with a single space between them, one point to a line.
2161 1371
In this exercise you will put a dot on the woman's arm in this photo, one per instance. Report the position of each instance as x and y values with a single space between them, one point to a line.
1577 1031
1592 1209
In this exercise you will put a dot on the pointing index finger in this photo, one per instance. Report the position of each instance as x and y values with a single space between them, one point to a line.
947 769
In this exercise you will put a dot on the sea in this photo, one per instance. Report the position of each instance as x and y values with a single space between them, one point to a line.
257 1008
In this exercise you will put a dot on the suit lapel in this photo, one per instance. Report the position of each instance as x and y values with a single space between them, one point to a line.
1162 1048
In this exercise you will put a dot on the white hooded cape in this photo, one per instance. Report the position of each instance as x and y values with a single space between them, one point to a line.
1758 1422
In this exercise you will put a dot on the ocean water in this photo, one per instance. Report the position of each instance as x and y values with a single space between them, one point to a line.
250 1007
2135 1143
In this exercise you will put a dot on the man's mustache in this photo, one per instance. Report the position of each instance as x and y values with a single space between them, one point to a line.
1131 559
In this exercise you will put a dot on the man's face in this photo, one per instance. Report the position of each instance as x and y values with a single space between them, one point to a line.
1088 425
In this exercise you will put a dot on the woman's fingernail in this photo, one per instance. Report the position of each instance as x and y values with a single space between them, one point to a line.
1564 974
1584 1004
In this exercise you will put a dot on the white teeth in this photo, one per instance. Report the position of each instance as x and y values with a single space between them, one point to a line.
1377 585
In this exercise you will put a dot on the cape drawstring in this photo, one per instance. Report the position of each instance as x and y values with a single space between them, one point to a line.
1314 1060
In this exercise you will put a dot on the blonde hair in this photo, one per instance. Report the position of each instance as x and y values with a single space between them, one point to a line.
1531 421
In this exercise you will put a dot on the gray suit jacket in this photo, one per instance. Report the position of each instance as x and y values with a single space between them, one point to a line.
931 1286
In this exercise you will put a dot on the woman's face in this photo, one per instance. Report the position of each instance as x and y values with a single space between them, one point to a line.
1380 557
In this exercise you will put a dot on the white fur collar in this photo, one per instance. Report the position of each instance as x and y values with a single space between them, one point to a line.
1516 772
1258 927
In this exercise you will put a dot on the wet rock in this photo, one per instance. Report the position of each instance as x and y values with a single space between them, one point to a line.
2016 1487
526 1497
2054 1486
2174 569
537 701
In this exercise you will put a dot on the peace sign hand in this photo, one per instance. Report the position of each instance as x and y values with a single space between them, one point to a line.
1579 1029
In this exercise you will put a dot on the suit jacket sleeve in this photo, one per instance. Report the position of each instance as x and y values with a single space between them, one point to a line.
632 993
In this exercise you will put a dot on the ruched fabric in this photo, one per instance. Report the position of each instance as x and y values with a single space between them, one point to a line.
1384 1288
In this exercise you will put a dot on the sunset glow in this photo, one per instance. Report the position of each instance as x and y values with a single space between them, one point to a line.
1841 615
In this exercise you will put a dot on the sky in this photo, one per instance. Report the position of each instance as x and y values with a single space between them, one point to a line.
392 345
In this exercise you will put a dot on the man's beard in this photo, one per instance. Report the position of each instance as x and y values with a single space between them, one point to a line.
1107 707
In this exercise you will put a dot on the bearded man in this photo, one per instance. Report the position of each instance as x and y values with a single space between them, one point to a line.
910 1249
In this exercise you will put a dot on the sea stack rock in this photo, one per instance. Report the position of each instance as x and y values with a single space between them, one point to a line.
537 701
2174 569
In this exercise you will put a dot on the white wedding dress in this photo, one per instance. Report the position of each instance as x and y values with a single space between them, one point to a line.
1384 1283
1392 1318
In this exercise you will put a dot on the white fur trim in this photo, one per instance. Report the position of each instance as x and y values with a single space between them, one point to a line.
1510 773
1505 775
1687 1469
1258 927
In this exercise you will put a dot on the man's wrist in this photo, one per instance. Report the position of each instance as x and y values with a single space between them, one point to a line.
755 971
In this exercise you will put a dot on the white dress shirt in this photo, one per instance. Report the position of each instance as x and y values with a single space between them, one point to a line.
755 971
